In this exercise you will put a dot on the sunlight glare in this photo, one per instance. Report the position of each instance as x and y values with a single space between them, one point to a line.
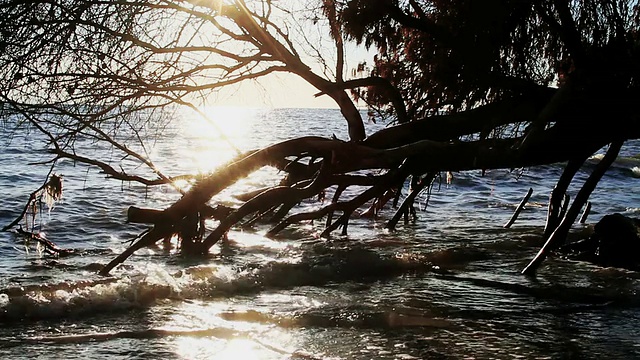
243 349
237 348
258 241
213 4
188 347
217 135
225 122
236 339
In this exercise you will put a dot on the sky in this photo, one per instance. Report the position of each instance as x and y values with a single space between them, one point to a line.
272 91
285 90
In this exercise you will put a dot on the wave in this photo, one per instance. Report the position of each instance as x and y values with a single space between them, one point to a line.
624 163
142 286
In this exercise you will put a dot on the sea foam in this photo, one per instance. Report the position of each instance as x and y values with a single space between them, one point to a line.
142 286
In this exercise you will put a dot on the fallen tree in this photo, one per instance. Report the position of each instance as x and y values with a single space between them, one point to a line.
556 84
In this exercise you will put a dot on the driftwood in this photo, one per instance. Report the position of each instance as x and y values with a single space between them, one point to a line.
519 209
49 246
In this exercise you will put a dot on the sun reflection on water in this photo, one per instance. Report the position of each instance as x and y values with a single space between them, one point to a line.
218 135
231 122
234 349
205 330
228 339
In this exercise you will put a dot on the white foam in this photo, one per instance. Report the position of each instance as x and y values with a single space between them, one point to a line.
4 300
55 300
144 285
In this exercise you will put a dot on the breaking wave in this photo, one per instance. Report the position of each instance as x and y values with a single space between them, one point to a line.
142 286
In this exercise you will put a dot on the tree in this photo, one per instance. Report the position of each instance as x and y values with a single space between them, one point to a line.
472 85
552 66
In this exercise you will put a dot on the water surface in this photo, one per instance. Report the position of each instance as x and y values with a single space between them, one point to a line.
447 286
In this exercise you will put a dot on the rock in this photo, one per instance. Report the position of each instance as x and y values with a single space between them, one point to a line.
615 242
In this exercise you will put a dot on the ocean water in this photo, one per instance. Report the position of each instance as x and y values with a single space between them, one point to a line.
445 287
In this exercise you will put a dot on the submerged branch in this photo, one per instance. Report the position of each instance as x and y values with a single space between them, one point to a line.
121 175
519 209
49 245
560 233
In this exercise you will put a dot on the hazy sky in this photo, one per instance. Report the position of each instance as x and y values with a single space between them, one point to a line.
272 91
280 90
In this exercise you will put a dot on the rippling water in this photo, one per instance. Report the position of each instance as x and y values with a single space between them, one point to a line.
447 286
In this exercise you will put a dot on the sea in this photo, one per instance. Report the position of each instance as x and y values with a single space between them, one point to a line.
446 286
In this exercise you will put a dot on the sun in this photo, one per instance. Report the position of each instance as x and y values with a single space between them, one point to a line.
216 134
230 121
229 124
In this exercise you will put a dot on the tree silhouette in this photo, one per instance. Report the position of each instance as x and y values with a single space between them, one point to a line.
472 85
